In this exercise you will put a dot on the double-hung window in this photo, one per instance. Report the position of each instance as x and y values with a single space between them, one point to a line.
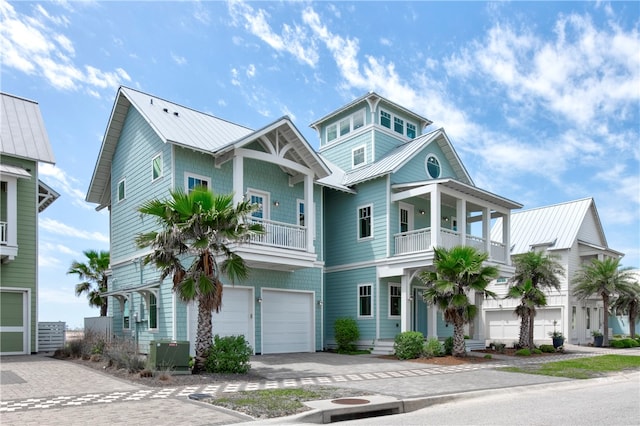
153 311
358 156
364 222
301 213
193 181
126 323
398 125
365 301
262 200
385 119
411 130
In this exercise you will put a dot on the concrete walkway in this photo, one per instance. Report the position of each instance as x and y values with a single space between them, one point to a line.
39 390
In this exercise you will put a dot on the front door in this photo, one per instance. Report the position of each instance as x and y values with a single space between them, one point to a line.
419 312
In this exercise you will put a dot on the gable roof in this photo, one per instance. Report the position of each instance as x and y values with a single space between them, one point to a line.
22 131
373 99
192 129
399 156
555 227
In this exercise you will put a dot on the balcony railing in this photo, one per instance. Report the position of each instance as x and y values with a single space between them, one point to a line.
3 233
420 240
282 235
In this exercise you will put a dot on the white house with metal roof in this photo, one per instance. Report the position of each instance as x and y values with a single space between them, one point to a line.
24 144
573 232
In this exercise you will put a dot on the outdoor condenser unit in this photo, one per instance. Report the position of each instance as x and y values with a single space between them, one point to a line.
169 355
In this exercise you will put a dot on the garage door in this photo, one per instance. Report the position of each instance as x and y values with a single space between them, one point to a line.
14 330
234 319
505 325
287 322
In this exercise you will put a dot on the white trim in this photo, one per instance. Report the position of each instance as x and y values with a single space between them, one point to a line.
410 208
202 178
364 153
153 159
312 293
392 119
339 136
266 201
299 202
368 237
370 285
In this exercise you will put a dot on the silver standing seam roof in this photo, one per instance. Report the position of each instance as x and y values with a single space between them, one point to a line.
554 227
22 133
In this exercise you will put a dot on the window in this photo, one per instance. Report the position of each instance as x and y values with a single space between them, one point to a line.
364 222
358 156
332 132
573 317
300 213
365 301
153 311
398 125
121 190
345 126
125 314
588 318
433 166
411 130
406 217
394 300
358 120
194 181
262 199
156 167
385 119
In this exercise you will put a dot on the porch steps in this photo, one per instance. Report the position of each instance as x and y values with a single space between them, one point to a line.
385 346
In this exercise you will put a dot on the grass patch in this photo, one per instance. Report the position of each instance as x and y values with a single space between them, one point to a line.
271 403
581 368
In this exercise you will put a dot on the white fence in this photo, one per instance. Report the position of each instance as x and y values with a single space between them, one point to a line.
51 336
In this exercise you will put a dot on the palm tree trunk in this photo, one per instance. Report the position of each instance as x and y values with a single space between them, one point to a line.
458 339
633 317
204 337
531 316
524 330
103 307
605 319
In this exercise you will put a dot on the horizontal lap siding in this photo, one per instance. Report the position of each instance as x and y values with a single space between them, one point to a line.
340 153
21 272
342 300
195 162
389 327
415 171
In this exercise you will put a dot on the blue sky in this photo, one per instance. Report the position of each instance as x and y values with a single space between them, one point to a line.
540 99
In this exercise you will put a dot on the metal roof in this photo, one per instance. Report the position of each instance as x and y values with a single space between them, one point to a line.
22 132
555 227
398 157
189 128
15 171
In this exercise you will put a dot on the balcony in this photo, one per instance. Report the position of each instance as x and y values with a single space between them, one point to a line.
420 241
281 235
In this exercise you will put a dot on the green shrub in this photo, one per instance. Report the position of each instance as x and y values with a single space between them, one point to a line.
523 352
347 334
448 345
74 348
230 354
630 343
408 345
488 356
499 347
536 351
432 347
616 344
547 349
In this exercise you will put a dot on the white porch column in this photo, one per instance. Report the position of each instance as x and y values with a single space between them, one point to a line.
461 219
432 323
435 217
506 237
405 308
486 233
310 213
238 179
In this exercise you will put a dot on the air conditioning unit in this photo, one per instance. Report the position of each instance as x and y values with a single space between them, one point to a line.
169 355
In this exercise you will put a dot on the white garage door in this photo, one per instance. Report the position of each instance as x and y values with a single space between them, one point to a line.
504 325
234 319
287 322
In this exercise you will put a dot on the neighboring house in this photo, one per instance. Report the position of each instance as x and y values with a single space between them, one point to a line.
23 145
348 228
573 232
407 193
619 322
152 146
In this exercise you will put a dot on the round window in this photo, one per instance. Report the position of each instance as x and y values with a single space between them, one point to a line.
433 167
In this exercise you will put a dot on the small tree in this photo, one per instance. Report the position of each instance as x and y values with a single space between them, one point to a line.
346 333
94 274
604 278
628 302
458 272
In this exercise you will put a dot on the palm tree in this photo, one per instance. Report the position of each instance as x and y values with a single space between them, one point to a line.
94 274
605 278
530 298
628 302
542 271
458 271
199 227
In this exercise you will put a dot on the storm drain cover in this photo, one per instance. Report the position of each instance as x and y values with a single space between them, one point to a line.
199 396
350 401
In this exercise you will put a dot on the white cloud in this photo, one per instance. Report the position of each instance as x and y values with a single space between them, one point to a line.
32 46
65 184
56 227
180 60
251 71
